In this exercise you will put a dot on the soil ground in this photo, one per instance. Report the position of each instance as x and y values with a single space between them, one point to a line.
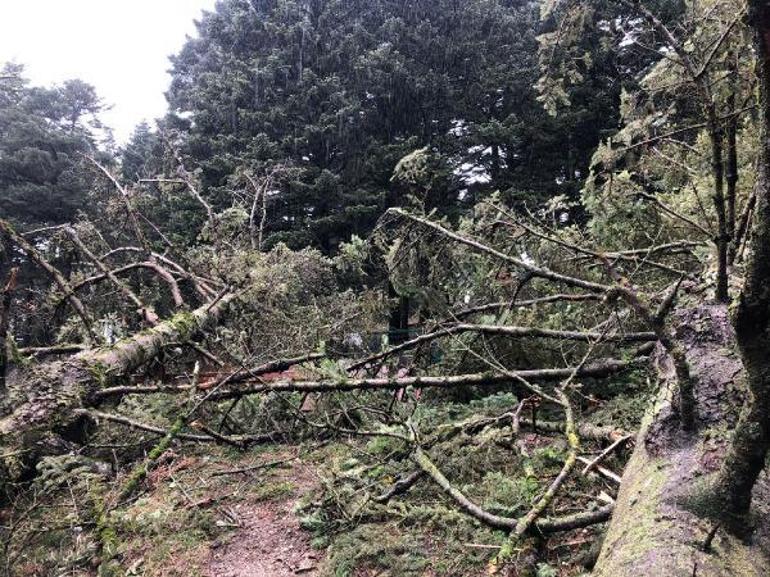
270 542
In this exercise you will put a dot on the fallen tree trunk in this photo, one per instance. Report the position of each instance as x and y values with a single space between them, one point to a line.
43 401
657 527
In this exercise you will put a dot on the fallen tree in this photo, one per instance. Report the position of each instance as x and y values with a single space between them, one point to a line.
685 500
657 527
44 398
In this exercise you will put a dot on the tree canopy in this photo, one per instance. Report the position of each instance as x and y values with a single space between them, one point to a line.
43 134
343 90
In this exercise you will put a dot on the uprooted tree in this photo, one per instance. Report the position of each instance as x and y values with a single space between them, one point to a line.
502 299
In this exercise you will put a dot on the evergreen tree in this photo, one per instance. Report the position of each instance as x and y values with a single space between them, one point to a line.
142 156
43 133
343 90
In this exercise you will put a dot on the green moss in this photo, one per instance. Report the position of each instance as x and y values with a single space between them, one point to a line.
184 322
107 535
141 470
382 446
99 372
15 355
273 491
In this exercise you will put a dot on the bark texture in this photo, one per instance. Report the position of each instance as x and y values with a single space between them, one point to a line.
656 529
751 441
43 401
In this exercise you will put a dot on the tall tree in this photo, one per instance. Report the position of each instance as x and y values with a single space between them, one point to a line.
43 133
748 453
343 90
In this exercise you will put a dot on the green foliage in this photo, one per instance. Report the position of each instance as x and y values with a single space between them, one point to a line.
546 570
507 495
43 132
345 92
368 547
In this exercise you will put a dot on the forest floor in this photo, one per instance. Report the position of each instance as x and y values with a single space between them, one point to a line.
306 510
238 517
270 541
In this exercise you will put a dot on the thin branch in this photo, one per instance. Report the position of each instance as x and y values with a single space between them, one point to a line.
674 213
489 307
146 312
53 272
480 247
126 200
501 330
162 272
597 369
546 525
606 453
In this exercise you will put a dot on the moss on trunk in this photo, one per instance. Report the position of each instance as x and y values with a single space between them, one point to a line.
655 530
43 399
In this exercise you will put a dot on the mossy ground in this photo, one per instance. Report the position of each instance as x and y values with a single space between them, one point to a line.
182 512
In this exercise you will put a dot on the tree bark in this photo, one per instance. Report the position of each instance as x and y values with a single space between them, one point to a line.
5 314
751 441
44 399
717 168
657 528
731 164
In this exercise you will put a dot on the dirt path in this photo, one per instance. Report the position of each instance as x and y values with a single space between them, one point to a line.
270 542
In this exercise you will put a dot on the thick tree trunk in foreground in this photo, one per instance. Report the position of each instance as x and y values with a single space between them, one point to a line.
654 530
751 441
41 404
666 511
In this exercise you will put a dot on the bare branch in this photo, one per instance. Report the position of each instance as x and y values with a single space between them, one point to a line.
502 330
597 369
478 246
146 312
53 272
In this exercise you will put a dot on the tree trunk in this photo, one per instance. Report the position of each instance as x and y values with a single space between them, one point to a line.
751 440
398 325
655 529
5 315
717 166
42 400
731 161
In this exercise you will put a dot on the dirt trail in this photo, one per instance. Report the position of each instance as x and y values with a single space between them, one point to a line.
270 542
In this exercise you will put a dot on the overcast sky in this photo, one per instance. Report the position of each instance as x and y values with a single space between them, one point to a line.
119 46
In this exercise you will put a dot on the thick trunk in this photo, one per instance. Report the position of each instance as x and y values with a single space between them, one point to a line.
751 440
43 400
654 530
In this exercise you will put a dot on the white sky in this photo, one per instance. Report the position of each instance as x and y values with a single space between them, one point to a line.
119 46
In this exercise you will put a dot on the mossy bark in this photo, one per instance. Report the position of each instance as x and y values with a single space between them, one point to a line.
655 530
43 400
748 451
